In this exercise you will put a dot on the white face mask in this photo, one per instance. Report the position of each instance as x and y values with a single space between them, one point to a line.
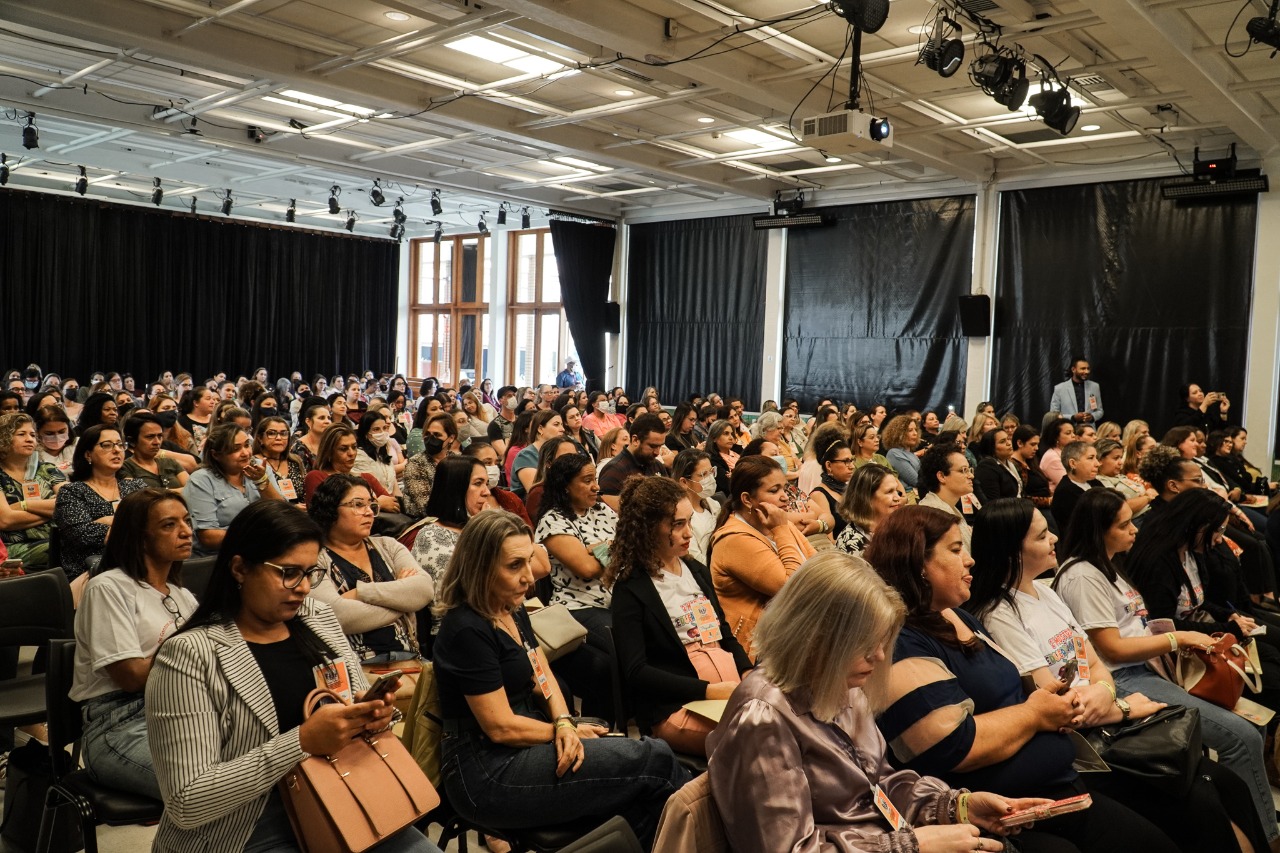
782 462
379 439
494 473
707 485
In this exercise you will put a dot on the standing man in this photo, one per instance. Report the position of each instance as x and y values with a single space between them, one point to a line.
570 377
1078 399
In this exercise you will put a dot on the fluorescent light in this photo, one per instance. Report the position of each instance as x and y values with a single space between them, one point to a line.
582 164
623 93
291 104
312 99
396 16
483 48
833 159
758 138
706 120
534 65
352 108
1089 128
919 29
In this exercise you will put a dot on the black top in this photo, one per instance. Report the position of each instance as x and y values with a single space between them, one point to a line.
655 666
625 465
1066 496
287 668
721 469
472 658
993 481
1192 416
833 503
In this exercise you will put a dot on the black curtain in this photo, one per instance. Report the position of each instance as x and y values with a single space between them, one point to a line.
1154 293
871 302
584 257
695 308
86 285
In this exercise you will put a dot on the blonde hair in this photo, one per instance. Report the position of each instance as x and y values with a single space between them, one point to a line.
832 612
980 423
468 578
954 423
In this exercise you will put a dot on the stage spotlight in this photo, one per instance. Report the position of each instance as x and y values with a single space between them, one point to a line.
398 214
291 214
4 169
157 194
376 196
351 220
524 218
334 207
31 133
226 203
435 238
193 204
436 207
82 182
1012 94
397 231
1054 106
1265 30
941 54
482 225
502 213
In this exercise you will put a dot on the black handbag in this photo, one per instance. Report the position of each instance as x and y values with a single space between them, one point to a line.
29 778
1162 750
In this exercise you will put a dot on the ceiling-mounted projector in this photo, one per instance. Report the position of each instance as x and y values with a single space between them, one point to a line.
846 132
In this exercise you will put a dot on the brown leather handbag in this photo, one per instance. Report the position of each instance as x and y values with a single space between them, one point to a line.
348 802
1220 673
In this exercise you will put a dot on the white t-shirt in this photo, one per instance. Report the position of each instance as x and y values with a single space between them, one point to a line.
1192 568
597 525
681 597
1098 603
703 523
120 618
1042 632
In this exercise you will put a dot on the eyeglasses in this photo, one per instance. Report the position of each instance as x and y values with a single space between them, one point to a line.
110 445
966 470
360 505
172 607
276 433
1197 479
848 461
291 576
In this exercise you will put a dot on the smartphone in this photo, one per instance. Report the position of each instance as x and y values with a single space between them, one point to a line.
382 685
1067 672
256 462
1025 816
11 569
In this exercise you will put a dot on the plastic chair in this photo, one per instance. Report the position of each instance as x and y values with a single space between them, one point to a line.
196 573
34 609
95 803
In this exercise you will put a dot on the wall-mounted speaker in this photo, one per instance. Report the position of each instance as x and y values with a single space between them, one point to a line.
975 316
613 318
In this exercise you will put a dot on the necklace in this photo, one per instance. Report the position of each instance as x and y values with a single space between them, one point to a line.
513 631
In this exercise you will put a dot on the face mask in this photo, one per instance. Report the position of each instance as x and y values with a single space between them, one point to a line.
434 444
509 404
782 462
31 384
610 409
707 486
379 439
54 442
167 419
494 473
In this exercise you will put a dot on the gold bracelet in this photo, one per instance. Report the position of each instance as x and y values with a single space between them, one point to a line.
1173 641
565 724
23 504
1111 688
962 809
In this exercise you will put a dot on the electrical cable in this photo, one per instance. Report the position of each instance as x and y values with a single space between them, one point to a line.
1226 38
816 83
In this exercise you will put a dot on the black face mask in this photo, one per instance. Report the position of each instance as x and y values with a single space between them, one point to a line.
434 444
167 419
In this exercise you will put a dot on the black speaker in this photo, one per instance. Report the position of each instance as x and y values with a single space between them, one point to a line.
613 318
975 316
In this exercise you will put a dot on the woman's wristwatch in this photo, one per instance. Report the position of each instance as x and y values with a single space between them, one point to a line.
1125 709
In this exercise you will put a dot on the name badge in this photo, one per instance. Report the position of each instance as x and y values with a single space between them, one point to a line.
285 485
888 809
31 490
333 676
708 623
539 674
1082 662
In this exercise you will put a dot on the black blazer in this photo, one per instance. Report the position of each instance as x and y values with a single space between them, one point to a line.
993 481
1065 498
656 672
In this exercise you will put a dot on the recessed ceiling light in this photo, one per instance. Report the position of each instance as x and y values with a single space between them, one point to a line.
833 159
623 93
758 138
483 48
919 29
1089 128
396 16
706 120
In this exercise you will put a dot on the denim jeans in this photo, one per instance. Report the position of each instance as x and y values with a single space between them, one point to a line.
587 670
505 787
116 752
274 834
1237 741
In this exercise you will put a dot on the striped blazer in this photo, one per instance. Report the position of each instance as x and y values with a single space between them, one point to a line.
215 741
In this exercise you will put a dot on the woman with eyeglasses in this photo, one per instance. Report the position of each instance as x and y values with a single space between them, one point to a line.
130 604
271 438
373 583
946 480
229 480
148 461
85 508
224 698
832 452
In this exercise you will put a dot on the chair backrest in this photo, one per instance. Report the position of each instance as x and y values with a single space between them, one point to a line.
690 822
621 713
65 723
35 608
196 573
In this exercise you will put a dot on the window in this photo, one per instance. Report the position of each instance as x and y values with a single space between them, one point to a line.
536 328
449 309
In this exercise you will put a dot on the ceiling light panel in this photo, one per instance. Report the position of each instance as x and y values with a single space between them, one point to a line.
488 49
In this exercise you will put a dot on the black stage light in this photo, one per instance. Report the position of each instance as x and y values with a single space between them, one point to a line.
502 213
524 217
351 220
435 238
4 169
193 204
157 194
482 225
291 215
1054 106
398 214
1012 94
82 182
436 207
397 231
942 54
334 207
1265 30
31 133
376 196
226 203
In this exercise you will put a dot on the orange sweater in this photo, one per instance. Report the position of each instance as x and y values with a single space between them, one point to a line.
747 571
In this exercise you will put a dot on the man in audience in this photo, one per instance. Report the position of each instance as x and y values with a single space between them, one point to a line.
646 455
1079 398
569 377
500 426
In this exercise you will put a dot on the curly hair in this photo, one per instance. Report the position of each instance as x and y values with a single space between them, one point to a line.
9 426
894 433
1161 464
323 503
647 503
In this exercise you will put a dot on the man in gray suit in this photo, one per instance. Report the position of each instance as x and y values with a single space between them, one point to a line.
1078 399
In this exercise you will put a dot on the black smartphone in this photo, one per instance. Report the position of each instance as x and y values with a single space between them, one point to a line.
382 685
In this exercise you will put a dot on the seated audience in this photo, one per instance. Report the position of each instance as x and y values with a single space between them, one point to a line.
957 707
692 470
552 449
130 604
148 460
1035 485
29 488
837 461
230 478
601 418
1105 603
440 440
865 442
673 644
545 425
799 733
224 698
613 443
372 456
1056 435
98 409
372 582
85 507
1109 431
901 440
682 437
755 548
271 439
997 475
338 456
646 454
196 415
314 419
1080 460
946 483
519 440
462 491
499 498
722 449
872 494
583 439
56 437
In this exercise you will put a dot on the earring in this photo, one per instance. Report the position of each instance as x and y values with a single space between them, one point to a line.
239 585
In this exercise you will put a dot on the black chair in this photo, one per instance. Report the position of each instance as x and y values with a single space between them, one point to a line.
95 803
454 827
195 575
34 609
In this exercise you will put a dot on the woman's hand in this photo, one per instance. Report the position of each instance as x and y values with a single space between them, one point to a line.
331 727
1244 623
569 750
255 472
772 516
1193 640
387 503
1055 712
985 811
1097 706
589 730
954 838
1140 706
721 690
